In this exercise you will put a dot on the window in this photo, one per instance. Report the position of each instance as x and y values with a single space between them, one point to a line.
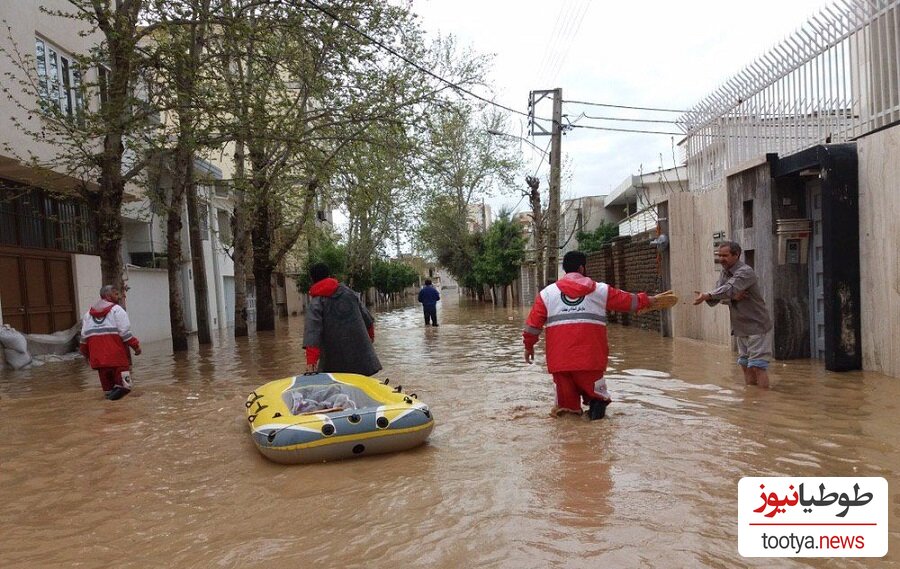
748 214
32 218
750 258
59 79
224 220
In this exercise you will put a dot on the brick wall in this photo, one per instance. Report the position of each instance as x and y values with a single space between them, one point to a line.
629 264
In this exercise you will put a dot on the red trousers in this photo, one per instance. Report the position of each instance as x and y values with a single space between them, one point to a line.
574 386
110 377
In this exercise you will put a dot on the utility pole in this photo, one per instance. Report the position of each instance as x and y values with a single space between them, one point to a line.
555 133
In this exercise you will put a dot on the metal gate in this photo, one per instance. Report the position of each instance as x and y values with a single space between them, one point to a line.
816 272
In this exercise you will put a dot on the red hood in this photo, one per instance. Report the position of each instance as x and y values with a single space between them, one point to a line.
101 308
575 285
324 287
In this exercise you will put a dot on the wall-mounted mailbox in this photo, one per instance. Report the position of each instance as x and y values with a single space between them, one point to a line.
793 240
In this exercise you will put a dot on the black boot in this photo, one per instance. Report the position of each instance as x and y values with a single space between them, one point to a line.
118 392
597 409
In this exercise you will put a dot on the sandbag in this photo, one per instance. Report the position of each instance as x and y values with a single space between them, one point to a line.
15 347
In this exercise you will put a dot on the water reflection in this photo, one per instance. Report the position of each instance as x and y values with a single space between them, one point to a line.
169 476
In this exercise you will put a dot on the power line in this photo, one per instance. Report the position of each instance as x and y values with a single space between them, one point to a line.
624 129
475 95
412 63
587 116
623 106
577 20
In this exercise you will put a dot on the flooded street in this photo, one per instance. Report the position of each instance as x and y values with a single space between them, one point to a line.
169 477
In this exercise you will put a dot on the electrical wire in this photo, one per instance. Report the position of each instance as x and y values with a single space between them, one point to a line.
548 53
416 65
587 116
592 104
461 89
568 45
624 129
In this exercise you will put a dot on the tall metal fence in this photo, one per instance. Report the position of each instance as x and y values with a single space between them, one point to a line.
833 80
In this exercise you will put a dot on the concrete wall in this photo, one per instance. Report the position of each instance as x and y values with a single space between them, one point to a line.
693 218
753 187
86 272
147 303
879 248
294 300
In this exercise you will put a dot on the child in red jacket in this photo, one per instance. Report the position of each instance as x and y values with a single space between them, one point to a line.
105 339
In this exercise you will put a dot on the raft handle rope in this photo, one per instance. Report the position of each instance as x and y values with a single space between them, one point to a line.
386 381
413 395
253 400
398 389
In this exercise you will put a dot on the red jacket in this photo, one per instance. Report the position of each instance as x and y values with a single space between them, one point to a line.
574 312
106 335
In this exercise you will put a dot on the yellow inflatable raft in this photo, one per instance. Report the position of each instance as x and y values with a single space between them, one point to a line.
329 416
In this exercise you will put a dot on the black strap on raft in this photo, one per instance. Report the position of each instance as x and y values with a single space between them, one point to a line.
398 389
407 400
386 381
252 400
413 395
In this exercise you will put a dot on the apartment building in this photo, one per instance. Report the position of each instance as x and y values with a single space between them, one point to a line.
49 264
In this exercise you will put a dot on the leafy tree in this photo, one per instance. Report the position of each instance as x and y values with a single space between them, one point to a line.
100 144
465 162
500 261
593 240
332 254
182 64
391 277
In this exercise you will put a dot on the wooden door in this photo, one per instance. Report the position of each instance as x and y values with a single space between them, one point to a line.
36 292
12 292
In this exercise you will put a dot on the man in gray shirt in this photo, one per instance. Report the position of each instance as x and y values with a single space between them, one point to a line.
750 322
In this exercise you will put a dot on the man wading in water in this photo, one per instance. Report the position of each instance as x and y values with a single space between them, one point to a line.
574 311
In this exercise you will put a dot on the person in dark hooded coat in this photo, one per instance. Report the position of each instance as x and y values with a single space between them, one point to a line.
339 331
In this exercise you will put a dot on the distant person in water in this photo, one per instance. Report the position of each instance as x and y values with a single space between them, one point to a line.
105 340
339 331
573 309
429 297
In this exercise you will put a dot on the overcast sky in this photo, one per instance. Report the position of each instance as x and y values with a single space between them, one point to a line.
647 53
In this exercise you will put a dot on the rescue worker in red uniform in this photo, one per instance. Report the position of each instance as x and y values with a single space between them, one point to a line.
105 339
573 309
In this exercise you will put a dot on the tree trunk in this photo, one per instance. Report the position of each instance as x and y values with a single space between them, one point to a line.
198 261
173 253
241 246
176 302
538 225
106 207
261 241
265 305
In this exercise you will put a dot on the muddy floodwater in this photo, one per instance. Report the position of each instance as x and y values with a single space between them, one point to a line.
168 477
